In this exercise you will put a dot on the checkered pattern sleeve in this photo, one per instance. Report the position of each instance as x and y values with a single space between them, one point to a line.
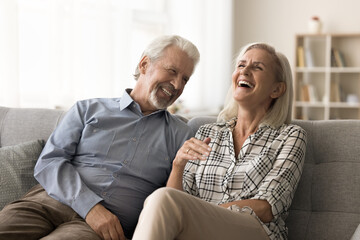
190 184
278 185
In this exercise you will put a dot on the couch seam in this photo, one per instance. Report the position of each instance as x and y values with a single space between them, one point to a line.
2 124
311 188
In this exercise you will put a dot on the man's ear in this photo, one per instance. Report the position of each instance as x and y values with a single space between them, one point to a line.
143 64
278 90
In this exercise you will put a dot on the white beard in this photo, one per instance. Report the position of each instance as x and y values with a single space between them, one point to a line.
157 102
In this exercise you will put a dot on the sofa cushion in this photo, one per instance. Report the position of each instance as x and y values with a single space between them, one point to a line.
326 200
17 169
18 125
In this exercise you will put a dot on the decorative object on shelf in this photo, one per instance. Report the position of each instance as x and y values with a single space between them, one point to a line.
335 92
315 25
337 58
305 58
352 98
308 93
309 61
301 56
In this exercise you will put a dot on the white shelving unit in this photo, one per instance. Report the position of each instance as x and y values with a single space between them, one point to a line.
327 76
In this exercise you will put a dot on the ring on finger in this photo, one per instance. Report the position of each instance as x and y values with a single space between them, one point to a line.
187 151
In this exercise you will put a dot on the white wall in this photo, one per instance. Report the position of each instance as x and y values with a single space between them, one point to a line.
278 21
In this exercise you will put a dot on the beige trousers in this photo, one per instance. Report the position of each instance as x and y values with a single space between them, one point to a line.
171 214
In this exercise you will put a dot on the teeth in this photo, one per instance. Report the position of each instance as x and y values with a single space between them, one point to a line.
166 92
243 83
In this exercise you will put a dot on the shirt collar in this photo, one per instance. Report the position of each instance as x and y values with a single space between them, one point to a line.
127 100
230 124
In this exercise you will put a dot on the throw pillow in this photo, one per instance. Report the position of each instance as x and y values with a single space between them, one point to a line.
17 169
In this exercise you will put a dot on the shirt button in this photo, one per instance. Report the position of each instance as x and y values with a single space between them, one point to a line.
104 194
95 130
134 139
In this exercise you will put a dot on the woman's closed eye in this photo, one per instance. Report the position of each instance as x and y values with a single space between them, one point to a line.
255 67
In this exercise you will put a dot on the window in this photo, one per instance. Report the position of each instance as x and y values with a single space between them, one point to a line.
57 52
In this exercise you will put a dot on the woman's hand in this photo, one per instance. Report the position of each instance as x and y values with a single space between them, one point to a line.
193 149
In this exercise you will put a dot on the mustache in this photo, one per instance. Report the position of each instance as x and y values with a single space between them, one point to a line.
169 87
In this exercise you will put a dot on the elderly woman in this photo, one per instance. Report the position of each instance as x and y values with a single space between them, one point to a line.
237 177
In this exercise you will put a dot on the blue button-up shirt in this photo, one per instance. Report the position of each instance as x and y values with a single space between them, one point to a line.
106 150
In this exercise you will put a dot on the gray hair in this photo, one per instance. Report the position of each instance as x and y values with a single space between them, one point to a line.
281 108
156 48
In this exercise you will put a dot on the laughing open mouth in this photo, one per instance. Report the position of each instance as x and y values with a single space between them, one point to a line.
245 84
166 92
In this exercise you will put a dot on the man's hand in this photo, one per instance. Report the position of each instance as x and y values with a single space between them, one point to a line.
104 223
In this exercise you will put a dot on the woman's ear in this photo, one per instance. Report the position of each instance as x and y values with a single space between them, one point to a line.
279 90
143 64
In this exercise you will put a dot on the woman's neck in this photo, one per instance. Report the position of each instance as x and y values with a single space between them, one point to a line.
248 122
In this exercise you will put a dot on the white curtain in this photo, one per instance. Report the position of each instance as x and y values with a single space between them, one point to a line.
54 52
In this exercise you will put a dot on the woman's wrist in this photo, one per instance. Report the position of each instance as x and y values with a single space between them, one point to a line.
179 164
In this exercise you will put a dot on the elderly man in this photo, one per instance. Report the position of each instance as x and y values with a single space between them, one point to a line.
108 155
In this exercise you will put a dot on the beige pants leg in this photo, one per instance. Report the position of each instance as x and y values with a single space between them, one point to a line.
171 214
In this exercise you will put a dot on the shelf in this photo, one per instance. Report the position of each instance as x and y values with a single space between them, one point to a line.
309 104
345 69
326 76
311 69
328 104
344 105
332 69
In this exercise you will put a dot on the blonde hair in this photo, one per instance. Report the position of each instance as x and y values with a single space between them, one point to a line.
280 110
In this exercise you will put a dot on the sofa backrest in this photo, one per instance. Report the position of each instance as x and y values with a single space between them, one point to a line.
19 125
326 204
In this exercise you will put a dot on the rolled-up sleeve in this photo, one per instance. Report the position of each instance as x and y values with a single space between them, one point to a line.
279 185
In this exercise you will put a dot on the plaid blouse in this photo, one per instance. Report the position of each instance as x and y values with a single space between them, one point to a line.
268 167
